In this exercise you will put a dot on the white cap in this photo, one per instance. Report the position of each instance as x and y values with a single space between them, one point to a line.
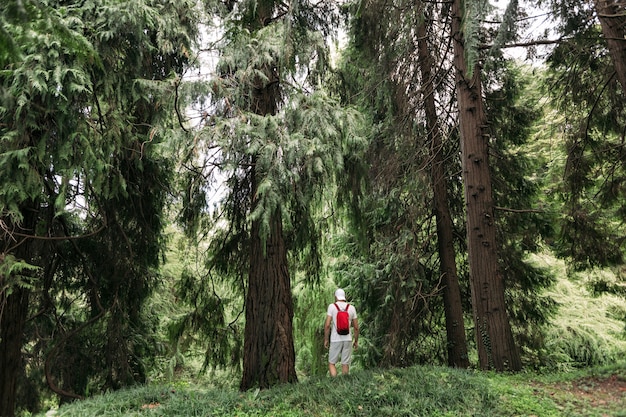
340 295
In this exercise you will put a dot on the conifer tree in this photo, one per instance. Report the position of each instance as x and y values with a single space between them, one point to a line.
81 189
453 307
389 69
280 142
494 336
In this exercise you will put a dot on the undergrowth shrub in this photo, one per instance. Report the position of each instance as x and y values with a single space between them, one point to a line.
578 347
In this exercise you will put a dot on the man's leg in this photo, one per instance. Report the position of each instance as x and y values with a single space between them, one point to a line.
333 369
334 355
346 357
345 369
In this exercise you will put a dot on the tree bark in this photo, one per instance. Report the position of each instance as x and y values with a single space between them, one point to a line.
13 316
494 337
455 329
12 321
612 16
269 355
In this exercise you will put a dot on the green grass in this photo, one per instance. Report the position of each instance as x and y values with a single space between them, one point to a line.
415 391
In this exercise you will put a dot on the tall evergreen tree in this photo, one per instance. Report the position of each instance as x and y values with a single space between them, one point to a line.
281 141
494 337
453 307
81 189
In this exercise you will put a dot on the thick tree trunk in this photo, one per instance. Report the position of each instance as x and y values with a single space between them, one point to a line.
612 16
269 356
13 316
494 337
14 310
455 329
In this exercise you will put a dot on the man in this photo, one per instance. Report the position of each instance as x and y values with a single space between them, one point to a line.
340 345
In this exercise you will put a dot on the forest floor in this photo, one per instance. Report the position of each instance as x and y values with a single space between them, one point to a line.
602 395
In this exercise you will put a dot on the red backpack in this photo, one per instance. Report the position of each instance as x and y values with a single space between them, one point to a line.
343 320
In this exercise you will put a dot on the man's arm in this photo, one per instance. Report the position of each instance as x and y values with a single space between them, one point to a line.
327 331
355 325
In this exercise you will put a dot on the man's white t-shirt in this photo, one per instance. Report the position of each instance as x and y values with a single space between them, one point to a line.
332 311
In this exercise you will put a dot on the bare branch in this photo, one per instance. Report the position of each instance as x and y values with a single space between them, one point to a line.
510 210
526 44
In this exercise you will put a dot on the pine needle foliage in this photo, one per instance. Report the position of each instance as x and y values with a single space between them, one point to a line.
474 12
582 85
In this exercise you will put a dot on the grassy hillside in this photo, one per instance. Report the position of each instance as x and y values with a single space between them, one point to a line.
415 391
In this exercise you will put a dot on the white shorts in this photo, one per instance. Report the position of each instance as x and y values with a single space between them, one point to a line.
339 350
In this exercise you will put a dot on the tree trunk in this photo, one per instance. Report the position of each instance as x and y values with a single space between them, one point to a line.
612 16
12 321
269 356
494 337
455 330
13 316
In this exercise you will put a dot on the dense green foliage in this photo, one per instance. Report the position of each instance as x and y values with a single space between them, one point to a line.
584 87
83 187
114 157
515 107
